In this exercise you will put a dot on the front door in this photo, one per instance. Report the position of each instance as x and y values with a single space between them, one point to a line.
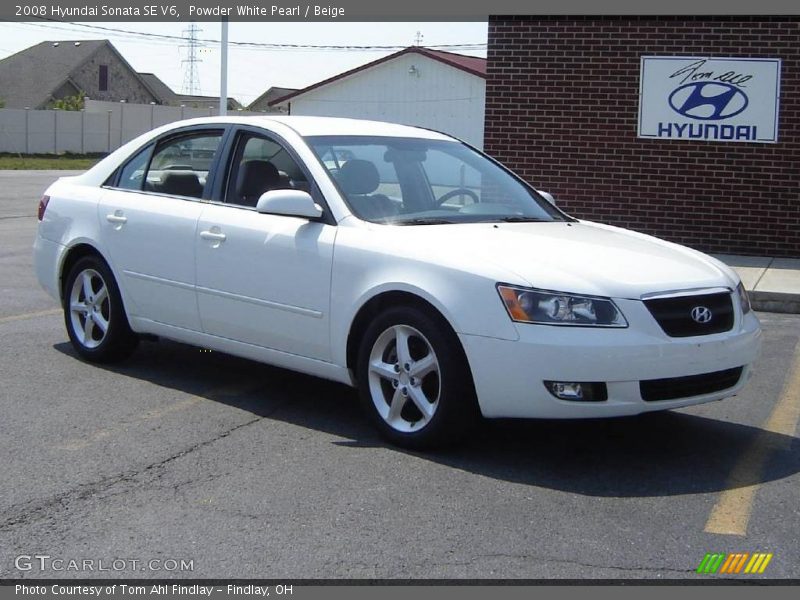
264 279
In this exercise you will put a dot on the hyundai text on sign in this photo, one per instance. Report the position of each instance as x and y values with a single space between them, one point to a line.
712 99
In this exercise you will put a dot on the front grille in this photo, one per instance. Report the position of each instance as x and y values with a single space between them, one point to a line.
675 314
672 388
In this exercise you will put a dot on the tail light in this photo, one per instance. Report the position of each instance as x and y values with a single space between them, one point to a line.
43 206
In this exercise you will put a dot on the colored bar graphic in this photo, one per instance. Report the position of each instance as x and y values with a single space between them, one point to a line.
720 563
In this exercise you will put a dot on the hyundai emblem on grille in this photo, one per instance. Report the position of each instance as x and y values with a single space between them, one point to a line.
701 314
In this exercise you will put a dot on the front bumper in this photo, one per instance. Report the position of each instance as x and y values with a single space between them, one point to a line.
509 375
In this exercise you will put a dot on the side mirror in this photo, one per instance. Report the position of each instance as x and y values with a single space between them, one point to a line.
547 196
290 203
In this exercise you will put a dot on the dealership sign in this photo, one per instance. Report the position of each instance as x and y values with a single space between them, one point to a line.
712 99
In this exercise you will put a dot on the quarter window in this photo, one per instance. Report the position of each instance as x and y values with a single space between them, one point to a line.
132 175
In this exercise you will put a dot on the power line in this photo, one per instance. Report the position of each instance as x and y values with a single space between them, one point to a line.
274 46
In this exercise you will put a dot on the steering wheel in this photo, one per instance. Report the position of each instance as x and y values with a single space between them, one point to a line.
458 192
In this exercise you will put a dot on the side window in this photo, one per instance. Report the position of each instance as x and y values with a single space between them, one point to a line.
132 175
180 166
259 165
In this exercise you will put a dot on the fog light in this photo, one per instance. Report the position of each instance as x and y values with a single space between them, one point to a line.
578 391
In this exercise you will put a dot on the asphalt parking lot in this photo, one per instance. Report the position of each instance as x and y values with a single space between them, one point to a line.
252 471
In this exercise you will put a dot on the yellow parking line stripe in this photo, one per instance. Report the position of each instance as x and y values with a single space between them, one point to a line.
30 315
731 513
226 391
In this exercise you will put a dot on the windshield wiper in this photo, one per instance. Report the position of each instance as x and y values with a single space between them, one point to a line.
422 221
521 219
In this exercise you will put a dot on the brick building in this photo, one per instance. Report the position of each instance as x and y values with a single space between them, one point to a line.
562 109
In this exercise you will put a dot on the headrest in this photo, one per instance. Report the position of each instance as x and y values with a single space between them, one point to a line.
358 177
256 177
181 183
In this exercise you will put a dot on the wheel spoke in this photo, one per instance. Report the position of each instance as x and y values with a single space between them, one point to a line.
398 402
101 323
418 397
401 342
424 366
87 286
383 369
101 295
88 329
79 307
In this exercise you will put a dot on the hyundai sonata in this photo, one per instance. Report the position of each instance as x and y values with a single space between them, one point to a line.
394 259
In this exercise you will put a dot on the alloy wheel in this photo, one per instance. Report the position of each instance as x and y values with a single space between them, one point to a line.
90 308
404 378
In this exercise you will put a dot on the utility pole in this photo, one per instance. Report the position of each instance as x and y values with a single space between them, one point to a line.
418 38
223 69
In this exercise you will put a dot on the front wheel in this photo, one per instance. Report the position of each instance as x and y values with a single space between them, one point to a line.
414 380
94 315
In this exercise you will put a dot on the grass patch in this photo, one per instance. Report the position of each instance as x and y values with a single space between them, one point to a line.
76 162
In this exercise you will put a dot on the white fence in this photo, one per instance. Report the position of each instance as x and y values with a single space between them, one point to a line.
100 127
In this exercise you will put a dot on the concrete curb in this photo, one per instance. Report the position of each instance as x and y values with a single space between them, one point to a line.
776 302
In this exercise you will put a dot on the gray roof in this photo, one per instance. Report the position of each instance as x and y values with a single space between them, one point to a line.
166 95
162 91
273 93
29 77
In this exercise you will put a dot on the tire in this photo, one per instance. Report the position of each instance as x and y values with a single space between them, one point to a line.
98 328
410 357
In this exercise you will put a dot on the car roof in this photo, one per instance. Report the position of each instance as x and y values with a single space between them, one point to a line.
313 126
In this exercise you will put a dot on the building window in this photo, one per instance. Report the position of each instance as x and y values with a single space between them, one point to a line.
103 84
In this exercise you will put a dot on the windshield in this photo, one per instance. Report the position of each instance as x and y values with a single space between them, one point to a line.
411 181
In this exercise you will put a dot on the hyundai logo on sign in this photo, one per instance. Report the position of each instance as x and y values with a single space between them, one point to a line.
709 99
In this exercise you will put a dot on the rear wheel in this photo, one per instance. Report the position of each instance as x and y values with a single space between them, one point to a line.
93 313
414 381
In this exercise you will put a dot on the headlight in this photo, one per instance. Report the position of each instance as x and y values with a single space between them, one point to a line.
744 299
527 305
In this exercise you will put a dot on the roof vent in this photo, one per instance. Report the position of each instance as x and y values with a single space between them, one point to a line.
77 43
55 44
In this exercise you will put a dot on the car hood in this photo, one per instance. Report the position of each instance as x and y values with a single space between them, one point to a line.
580 257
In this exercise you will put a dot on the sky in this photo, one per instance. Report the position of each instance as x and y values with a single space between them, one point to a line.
250 71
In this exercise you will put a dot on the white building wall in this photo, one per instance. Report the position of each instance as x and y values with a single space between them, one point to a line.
436 96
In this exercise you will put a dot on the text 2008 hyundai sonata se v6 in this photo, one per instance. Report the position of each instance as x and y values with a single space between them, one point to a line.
391 258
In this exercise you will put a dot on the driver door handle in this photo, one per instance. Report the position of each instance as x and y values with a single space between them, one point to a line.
118 219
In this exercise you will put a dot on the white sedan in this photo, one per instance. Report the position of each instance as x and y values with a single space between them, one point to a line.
394 259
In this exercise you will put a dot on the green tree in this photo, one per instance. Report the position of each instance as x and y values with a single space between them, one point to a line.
2 103
75 102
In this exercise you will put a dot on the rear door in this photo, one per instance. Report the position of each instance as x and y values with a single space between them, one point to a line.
148 218
265 279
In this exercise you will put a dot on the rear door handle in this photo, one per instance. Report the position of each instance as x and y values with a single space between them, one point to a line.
117 219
